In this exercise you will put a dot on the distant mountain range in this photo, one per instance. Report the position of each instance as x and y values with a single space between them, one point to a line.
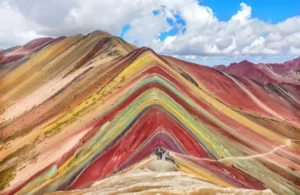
288 72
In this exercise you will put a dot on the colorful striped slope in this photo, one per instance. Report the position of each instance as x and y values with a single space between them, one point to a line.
94 114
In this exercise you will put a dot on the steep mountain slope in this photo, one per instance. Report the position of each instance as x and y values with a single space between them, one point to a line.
286 73
84 111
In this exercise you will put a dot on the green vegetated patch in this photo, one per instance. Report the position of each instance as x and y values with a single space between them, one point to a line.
2 145
6 176
122 79
57 126
17 153
52 132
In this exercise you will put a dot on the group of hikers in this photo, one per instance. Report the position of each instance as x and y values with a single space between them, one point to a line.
161 152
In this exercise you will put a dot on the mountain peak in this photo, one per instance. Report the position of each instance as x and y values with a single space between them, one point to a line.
246 61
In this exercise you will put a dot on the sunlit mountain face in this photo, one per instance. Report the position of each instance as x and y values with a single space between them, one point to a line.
93 114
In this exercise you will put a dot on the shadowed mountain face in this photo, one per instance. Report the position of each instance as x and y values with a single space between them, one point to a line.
94 114
286 73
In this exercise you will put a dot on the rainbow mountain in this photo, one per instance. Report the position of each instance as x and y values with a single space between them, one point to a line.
93 114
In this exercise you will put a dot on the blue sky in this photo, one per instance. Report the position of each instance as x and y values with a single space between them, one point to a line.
268 10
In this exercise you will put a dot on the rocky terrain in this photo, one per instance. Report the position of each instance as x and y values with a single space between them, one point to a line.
93 114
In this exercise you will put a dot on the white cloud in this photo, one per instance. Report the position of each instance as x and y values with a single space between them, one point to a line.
243 15
240 35
190 57
14 28
203 35
295 50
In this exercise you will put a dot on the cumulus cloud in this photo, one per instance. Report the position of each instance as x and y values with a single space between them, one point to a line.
198 31
240 35
242 15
